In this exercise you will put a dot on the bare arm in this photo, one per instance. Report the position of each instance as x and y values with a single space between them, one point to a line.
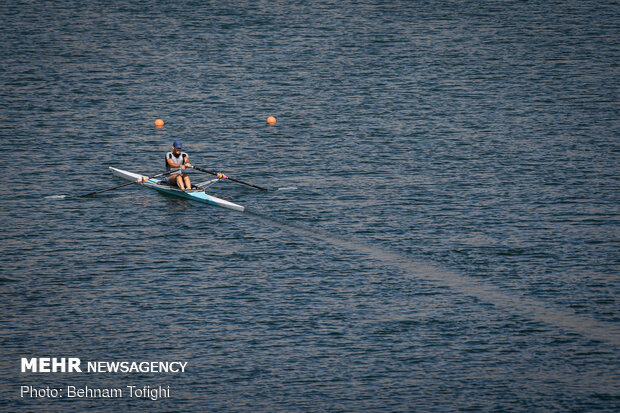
172 164
175 165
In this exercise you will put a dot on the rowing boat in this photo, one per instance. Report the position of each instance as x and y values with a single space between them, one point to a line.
160 185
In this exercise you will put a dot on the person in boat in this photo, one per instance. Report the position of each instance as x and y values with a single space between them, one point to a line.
177 159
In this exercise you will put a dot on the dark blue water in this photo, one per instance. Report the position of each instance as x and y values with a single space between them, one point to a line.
452 244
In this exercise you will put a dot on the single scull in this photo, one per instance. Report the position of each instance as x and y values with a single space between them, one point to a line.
160 185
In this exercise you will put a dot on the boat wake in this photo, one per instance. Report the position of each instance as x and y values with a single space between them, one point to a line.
56 197
501 299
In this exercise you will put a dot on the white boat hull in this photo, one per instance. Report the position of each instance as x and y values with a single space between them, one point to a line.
156 183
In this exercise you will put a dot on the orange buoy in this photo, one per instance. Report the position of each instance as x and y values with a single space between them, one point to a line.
271 120
159 123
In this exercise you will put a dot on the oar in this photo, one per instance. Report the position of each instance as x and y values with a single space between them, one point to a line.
222 176
120 186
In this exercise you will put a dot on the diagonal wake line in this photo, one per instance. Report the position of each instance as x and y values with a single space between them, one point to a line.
485 292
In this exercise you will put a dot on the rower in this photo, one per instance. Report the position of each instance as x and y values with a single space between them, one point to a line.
180 160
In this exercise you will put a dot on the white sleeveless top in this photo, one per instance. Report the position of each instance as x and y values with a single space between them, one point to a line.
179 160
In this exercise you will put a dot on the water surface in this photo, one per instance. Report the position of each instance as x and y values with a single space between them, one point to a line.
452 243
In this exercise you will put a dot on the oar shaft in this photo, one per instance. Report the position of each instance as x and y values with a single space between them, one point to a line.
120 186
105 190
231 179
